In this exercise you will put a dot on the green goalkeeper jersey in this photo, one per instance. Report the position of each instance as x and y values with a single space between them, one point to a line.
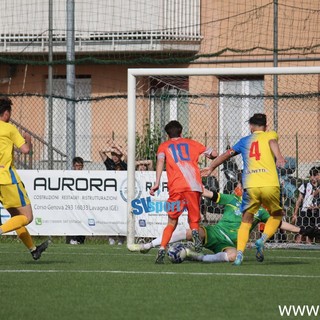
224 233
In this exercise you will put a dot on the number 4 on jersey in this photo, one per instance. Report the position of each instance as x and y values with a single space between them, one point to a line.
254 150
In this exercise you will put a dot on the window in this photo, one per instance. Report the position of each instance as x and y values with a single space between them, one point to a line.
82 117
169 102
238 102
237 106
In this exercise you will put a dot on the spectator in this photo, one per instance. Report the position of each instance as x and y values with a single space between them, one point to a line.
77 164
308 201
112 156
112 159
144 165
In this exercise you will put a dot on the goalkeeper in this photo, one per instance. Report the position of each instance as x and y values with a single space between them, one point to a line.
221 238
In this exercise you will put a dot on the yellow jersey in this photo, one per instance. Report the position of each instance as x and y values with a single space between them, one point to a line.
259 167
9 137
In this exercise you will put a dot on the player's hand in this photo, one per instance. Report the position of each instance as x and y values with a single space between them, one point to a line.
154 189
27 136
205 172
311 232
294 219
281 161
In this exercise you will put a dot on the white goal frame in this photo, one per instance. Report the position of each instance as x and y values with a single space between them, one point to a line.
131 82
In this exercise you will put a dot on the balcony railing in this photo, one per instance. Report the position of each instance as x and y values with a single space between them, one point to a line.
40 149
120 41
155 25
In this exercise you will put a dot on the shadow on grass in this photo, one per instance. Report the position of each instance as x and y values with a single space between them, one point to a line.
46 262
285 263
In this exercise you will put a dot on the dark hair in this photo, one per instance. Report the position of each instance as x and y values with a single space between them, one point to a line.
173 129
77 160
314 171
5 105
259 119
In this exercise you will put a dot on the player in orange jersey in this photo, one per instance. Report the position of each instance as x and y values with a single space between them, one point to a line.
184 182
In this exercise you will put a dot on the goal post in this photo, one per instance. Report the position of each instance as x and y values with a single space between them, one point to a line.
227 96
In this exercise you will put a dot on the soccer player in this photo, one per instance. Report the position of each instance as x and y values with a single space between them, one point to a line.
184 182
260 181
13 195
221 238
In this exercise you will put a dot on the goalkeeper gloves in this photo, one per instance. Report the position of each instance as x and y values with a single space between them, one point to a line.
311 232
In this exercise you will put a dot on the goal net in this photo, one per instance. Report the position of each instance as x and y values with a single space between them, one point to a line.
213 105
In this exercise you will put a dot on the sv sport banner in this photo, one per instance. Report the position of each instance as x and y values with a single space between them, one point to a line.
83 202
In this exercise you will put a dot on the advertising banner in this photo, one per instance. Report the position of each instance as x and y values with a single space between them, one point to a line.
80 202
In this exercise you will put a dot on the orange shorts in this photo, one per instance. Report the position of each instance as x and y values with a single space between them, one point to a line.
189 200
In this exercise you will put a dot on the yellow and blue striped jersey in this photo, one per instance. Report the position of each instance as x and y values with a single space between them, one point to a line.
259 167
9 137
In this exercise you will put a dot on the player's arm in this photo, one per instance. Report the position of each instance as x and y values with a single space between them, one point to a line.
159 169
27 146
289 227
296 208
212 195
312 232
205 172
220 198
210 153
280 160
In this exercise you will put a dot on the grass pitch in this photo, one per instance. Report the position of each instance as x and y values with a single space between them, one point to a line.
99 281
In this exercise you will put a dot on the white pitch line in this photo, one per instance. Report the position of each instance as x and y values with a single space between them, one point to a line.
47 253
166 273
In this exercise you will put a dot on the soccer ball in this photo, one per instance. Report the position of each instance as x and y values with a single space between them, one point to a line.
177 253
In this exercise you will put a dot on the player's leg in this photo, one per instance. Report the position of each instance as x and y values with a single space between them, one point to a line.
178 235
271 227
250 204
193 204
227 255
223 253
191 254
20 217
14 198
222 244
166 236
270 198
243 236
25 237
231 254
168 231
174 213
